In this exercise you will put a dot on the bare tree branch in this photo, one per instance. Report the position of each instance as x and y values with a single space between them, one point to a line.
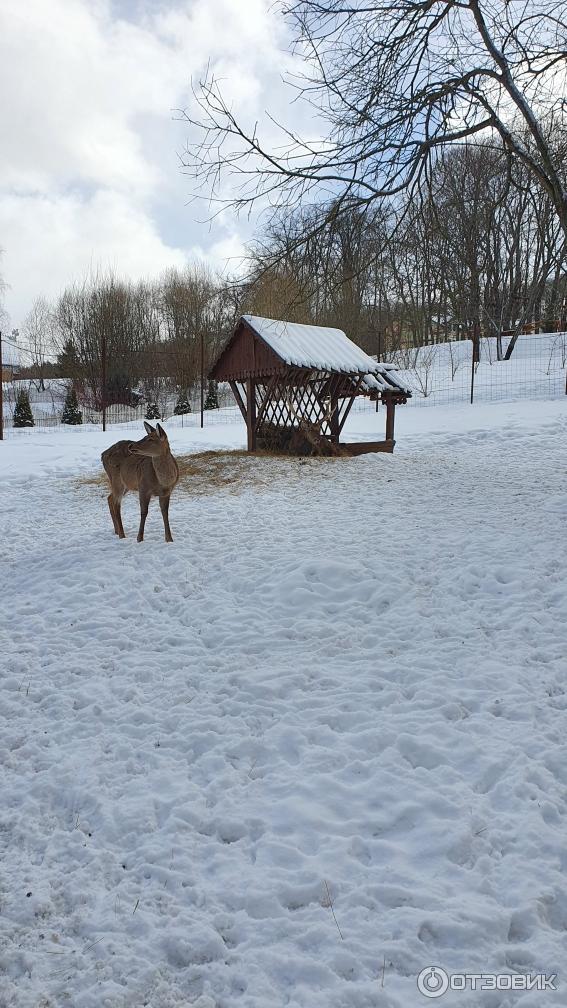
392 83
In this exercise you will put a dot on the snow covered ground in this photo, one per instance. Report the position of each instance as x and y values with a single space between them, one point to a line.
316 745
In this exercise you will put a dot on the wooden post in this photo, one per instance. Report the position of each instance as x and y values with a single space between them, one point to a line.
239 401
390 413
347 408
251 413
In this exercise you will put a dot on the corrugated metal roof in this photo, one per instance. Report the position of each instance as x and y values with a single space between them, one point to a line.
386 379
313 346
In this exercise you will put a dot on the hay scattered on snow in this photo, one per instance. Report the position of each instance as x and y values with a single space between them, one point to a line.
233 471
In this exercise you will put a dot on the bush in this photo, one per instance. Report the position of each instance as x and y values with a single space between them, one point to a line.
71 411
23 416
182 405
119 391
152 412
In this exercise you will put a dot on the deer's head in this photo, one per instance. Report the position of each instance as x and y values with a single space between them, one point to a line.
155 443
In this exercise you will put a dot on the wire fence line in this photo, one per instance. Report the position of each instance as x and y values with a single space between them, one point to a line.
437 374
445 373
47 408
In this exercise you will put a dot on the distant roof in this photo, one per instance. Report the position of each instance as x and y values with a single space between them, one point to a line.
313 346
10 356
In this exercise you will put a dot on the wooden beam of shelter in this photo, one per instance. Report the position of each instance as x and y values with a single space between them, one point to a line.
349 402
239 400
251 413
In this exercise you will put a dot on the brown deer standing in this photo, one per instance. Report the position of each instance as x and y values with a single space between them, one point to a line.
146 466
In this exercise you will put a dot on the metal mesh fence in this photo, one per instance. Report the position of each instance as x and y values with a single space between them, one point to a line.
437 374
47 408
444 373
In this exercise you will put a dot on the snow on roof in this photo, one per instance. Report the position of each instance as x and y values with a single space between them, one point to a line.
384 380
313 346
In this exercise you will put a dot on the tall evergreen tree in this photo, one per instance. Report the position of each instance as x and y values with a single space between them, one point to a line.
68 361
212 400
152 412
182 405
23 416
71 411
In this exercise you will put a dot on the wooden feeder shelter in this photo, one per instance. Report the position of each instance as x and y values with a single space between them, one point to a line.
295 385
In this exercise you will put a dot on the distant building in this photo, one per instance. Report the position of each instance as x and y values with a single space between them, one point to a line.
11 366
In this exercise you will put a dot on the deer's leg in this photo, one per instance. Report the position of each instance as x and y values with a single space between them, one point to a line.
112 514
117 501
144 505
164 505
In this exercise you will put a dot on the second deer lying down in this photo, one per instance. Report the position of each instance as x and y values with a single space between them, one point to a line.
146 466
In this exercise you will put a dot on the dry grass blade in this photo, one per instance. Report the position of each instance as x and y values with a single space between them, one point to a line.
332 909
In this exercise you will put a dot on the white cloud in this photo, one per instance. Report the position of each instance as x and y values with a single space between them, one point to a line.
56 240
88 173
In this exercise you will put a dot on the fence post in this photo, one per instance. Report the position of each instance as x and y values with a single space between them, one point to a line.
379 352
103 377
202 378
475 354
1 392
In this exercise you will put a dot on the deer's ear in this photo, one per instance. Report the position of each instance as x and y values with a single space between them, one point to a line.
149 428
161 431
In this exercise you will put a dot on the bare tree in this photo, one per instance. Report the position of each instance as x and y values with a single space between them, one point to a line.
420 363
106 330
192 313
477 246
40 332
394 82
326 274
